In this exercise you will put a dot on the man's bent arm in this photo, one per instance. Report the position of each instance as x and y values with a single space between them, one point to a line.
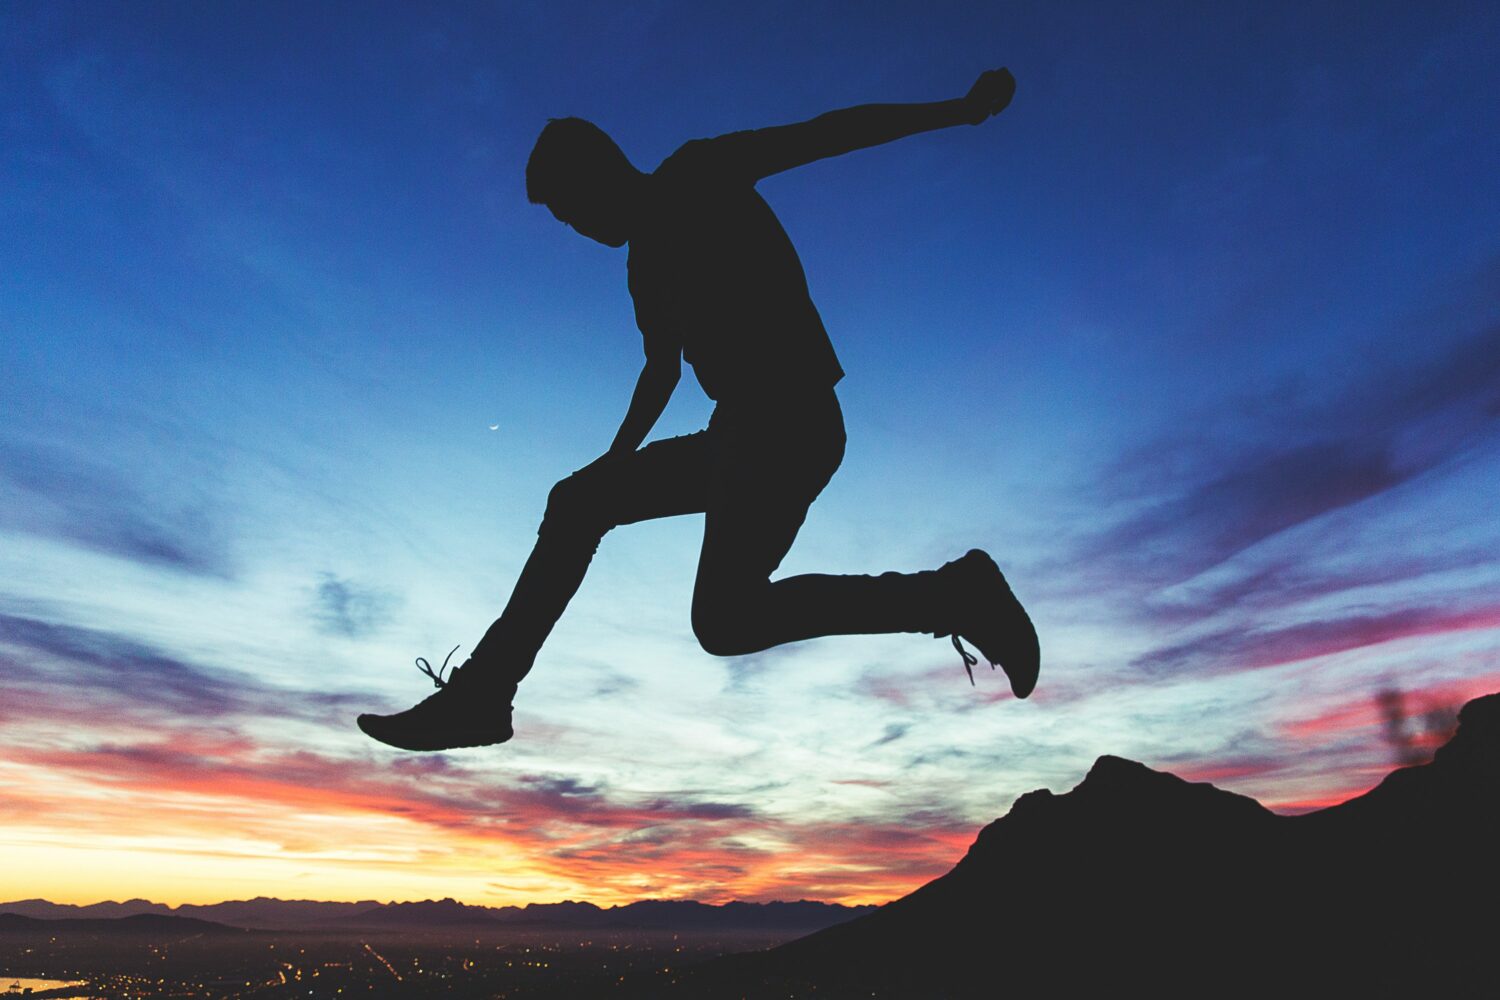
771 150
652 391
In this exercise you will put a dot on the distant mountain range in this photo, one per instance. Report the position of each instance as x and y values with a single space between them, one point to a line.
1139 881
284 914
143 924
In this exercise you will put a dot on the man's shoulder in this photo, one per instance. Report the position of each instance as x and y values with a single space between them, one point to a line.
685 157
705 160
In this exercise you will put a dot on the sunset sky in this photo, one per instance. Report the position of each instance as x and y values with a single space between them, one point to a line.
1200 338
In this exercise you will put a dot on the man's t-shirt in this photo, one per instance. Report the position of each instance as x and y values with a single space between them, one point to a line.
714 275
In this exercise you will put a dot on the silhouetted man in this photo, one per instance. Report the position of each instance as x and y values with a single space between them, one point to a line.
716 282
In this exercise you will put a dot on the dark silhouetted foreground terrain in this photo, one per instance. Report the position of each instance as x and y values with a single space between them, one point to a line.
1133 880
1139 878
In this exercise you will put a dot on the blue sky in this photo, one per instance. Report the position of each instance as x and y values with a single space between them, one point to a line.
1201 338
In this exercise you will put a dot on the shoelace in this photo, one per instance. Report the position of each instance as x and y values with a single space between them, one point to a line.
437 677
970 660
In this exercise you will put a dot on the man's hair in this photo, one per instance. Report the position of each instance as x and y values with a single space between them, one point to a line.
569 154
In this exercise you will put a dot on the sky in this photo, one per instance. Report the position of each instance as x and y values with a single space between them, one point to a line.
1200 338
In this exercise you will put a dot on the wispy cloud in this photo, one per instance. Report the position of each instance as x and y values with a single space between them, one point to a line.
1284 582
1359 714
618 844
176 739
892 733
112 674
1202 499
344 608
1231 768
61 495
1241 648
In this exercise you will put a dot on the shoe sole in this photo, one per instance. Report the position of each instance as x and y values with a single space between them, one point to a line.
450 739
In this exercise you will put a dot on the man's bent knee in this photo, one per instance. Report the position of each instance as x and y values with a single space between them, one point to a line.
721 630
574 507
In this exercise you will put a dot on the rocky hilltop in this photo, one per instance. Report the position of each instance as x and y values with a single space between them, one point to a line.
1138 878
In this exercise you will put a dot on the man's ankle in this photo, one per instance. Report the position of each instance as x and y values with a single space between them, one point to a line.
489 676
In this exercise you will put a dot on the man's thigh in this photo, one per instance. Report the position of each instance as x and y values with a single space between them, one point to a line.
663 479
744 540
757 502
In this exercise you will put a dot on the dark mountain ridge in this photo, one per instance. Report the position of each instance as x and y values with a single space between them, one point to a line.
1136 877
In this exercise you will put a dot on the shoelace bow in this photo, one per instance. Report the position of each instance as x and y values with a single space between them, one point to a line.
970 660
437 677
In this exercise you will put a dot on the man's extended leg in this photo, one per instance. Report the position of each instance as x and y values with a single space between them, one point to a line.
738 610
663 479
757 503
473 707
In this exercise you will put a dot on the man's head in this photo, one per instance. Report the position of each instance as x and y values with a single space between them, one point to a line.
582 176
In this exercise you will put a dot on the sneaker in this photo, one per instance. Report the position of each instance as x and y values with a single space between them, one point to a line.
992 619
470 709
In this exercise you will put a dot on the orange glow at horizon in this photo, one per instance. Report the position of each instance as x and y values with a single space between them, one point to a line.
194 815
84 828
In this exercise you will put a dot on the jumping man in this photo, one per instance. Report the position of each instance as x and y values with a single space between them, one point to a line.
716 282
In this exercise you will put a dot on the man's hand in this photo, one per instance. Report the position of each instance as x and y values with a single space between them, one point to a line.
989 95
604 460
652 390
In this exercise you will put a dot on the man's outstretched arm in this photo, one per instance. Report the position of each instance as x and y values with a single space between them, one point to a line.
771 150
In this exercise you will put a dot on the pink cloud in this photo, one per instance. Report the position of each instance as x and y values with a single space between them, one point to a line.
1249 649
